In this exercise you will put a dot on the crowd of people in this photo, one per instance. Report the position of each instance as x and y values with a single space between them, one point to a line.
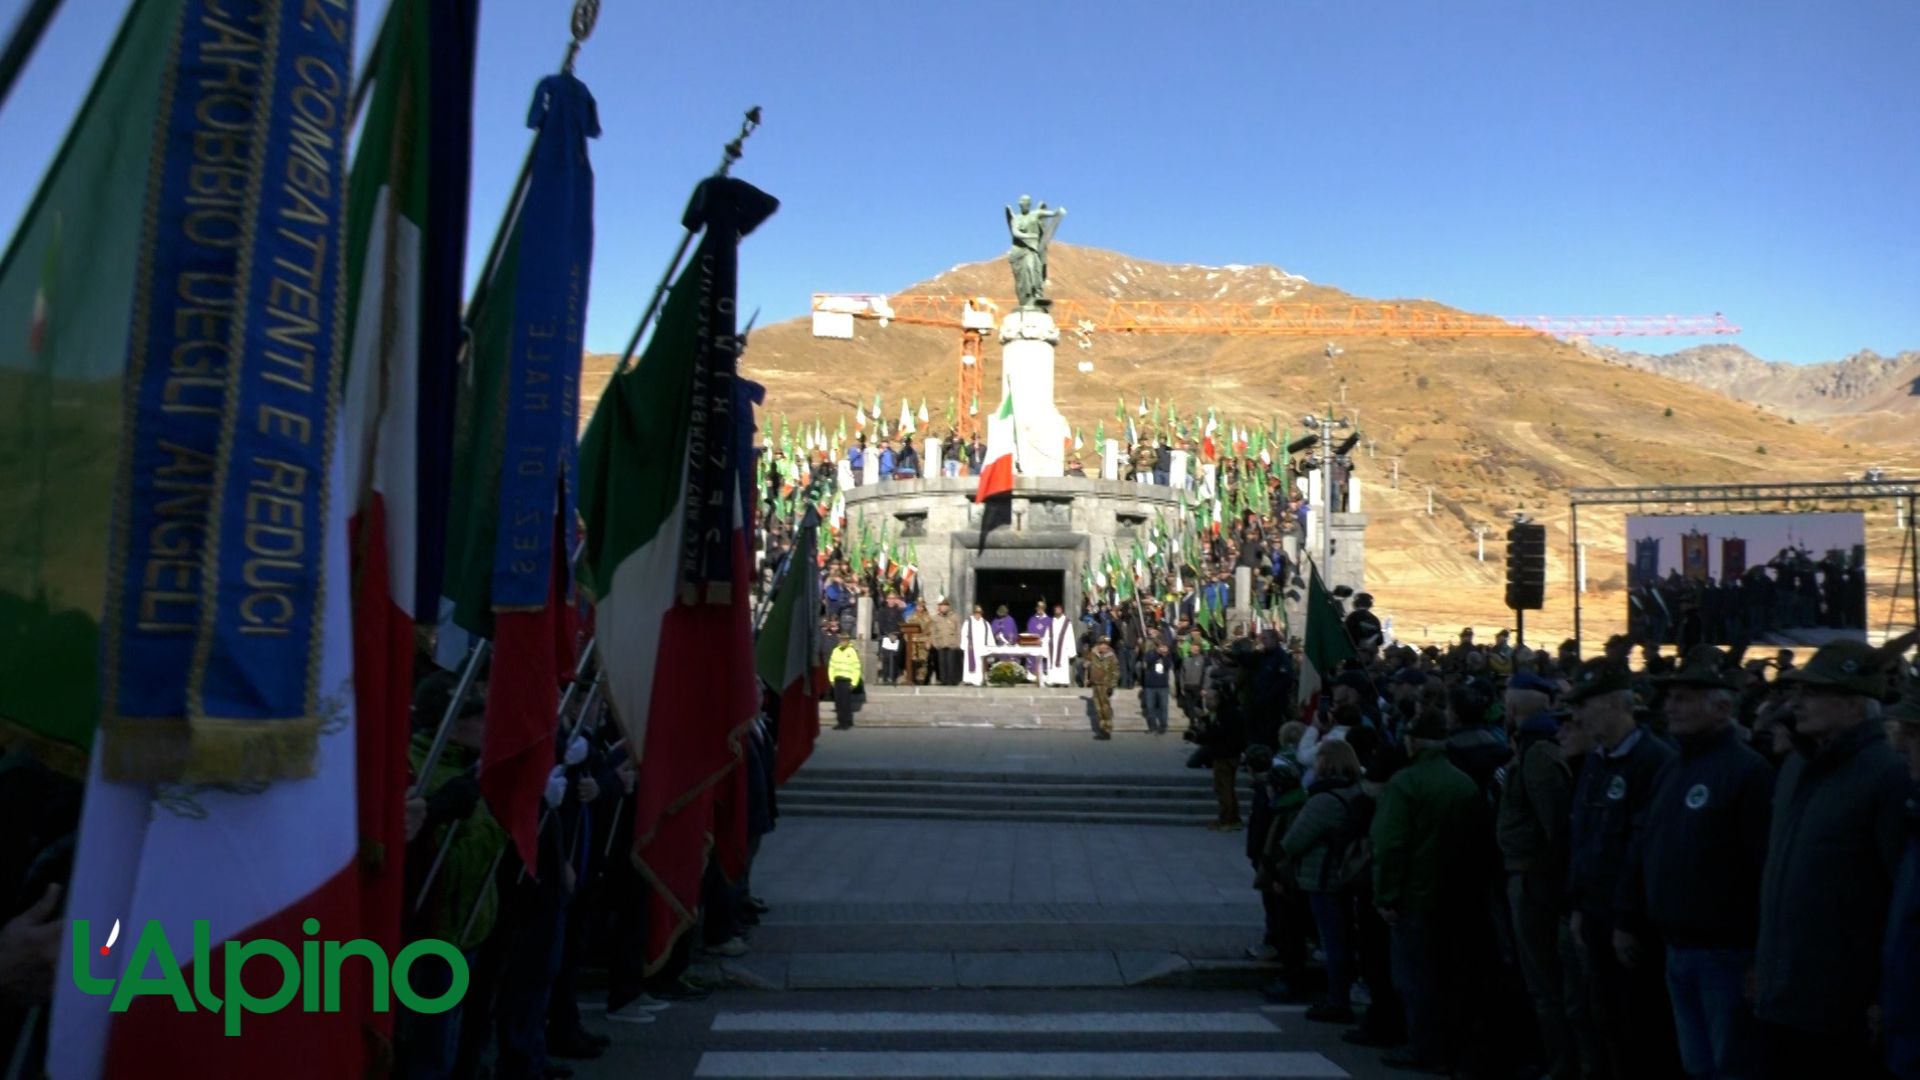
525 932
1700 865
526 936
1792 593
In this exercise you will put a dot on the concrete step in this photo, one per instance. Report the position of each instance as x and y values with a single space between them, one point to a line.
1002 812
1178 780
804 784
907 798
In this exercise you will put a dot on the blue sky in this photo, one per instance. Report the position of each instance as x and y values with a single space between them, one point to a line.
1758 158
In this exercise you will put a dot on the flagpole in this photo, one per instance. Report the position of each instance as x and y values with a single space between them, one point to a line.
27 31
732 153
446 842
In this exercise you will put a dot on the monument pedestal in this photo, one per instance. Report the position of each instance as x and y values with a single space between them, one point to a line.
1040 433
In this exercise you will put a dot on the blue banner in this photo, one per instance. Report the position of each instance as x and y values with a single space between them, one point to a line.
213 628
540 449
728 209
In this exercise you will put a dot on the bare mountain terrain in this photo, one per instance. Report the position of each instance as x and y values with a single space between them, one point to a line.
1488 426
1865 397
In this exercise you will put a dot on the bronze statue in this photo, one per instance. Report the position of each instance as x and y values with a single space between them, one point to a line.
1032 230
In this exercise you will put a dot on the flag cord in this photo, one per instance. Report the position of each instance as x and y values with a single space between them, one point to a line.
732 153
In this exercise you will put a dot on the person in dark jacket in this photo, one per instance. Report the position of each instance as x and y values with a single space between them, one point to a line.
1697 868
1156 679
888 618
1839 831
1481 750
1629 1003
1318 844
1900 961
1420 827
1536 796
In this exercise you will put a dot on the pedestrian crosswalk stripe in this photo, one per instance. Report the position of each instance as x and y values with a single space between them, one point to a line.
1082 1023
923 1065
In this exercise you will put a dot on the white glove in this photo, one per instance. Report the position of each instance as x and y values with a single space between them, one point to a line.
556 787
577 750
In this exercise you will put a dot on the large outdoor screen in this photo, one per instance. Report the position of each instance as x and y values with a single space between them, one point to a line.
1764 579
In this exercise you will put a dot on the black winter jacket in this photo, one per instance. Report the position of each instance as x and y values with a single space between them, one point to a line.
1609 810
1697 866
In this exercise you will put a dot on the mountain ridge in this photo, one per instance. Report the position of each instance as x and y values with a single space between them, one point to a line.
1487 426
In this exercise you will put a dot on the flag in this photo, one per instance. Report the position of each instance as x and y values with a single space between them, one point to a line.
406 254
66 298
221 788
1100 435
1143 406
950 410
1078 438
906 417
876 405
974 409
666 560
787 655
1327 644
1119 409
859 417
923 410
996 473
516 459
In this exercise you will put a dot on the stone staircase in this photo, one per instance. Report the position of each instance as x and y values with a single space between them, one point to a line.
931 794
1124 789
1020 708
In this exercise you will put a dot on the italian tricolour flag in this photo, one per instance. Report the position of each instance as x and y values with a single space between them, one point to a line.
682 682
996 474
788 653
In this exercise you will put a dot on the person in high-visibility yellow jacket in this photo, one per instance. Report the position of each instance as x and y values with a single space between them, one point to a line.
843 668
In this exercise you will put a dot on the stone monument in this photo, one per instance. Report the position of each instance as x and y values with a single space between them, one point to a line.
1027 339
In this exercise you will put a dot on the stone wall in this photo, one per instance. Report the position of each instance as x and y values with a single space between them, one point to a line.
1051 523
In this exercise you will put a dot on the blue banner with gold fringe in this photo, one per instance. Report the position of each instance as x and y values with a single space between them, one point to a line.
214 626
540 449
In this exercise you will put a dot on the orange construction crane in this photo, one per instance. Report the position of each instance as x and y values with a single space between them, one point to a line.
1274 320
974 317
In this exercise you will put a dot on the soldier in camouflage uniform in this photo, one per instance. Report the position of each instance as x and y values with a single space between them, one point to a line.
1103 671
1143 459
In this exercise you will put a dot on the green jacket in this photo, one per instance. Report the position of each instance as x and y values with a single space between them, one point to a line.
1420 828
844 664
465 878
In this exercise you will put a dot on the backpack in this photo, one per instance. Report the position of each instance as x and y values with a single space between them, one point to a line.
1350 852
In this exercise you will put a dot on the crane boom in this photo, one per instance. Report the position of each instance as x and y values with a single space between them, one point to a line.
1274 320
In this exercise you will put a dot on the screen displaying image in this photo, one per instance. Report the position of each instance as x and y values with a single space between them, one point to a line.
1728 579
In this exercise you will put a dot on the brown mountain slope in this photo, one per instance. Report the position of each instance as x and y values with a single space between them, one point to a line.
1491 426
1864 397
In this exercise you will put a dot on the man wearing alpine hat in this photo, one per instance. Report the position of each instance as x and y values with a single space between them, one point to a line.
1696 871
1610 798
1836 841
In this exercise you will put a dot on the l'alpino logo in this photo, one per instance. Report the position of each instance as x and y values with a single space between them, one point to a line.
313 976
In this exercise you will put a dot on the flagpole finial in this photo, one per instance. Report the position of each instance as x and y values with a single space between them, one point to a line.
585 14
737 148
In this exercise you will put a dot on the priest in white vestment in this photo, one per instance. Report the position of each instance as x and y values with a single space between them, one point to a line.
976 640
1060 649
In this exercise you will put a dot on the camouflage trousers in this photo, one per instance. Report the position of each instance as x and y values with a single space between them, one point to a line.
1103 708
